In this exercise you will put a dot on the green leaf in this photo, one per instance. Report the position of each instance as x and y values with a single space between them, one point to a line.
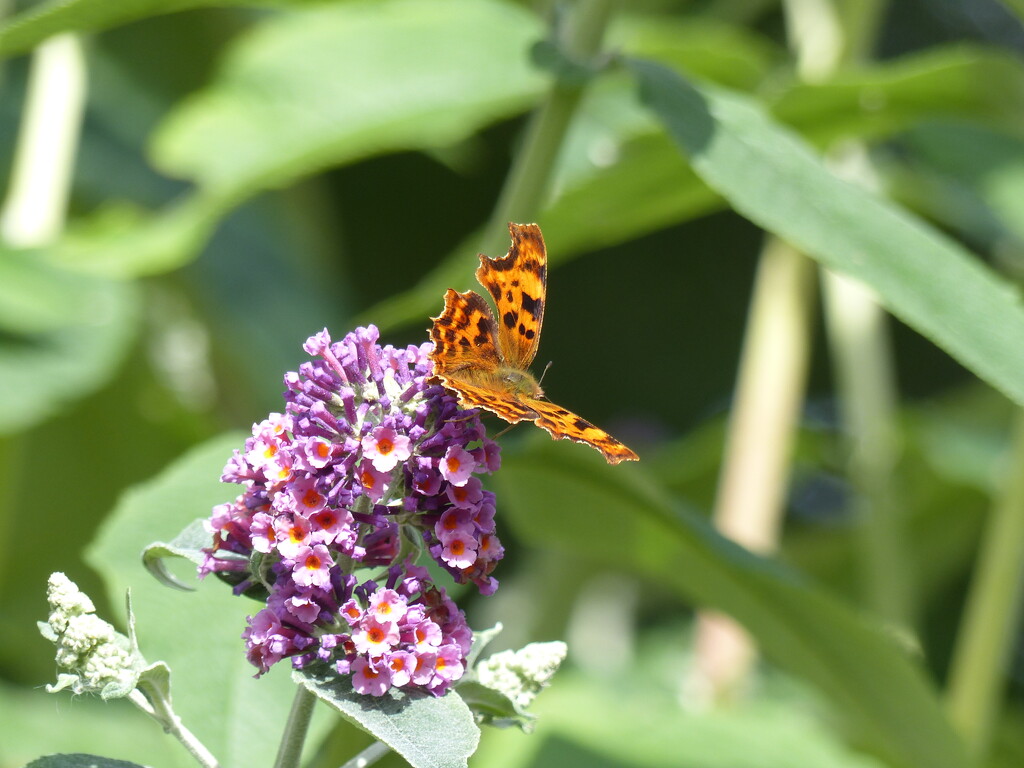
125 242
1017 6
771 177
494 707
307 90
312 89
80 761
33 25
36 297
723 53
428 732
239 718
188 544
557 493
873 102
55 354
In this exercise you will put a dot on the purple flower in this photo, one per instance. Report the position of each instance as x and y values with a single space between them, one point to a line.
370 678
458 465
386 448
365 447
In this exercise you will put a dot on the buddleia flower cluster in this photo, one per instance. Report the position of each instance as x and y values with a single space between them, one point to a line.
369 464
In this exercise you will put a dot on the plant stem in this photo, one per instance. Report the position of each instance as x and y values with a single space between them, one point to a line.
862 359
161 711
752 486
526 186
290 752
368 756
33 213
992 616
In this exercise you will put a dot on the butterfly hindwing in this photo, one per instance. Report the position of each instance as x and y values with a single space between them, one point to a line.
562 423
518 284
488 395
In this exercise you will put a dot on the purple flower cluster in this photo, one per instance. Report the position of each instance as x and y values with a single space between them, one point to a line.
368 464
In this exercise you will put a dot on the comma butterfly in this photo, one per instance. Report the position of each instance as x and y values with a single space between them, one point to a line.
485 363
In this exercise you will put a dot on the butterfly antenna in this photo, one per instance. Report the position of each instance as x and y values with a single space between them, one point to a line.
544 372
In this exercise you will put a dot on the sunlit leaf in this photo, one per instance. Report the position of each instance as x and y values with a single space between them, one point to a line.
770 176
306 90
26 30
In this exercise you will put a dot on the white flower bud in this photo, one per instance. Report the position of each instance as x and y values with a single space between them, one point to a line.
93 656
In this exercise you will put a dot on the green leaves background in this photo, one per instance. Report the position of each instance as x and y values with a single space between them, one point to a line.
252 172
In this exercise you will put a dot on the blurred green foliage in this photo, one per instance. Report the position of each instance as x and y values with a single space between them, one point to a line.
250 172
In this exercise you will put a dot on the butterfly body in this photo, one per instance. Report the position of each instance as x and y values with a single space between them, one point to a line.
485 360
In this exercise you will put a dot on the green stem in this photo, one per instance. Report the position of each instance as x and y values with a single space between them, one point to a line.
160 710
526 186
290 752
992 618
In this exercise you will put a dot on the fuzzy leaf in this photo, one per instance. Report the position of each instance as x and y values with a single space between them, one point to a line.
428 732
188 544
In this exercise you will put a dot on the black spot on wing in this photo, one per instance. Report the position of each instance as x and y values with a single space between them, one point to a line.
531 305
509 319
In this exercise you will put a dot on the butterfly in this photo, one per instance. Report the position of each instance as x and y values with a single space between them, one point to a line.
485 362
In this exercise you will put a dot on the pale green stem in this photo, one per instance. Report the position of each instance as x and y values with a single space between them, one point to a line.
161 711
529 179
991 620
34 211
368 756
755 471
865 381
289 754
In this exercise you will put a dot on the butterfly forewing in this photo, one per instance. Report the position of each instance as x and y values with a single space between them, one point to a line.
518 284
464 335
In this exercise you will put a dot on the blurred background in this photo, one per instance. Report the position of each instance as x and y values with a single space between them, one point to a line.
242 175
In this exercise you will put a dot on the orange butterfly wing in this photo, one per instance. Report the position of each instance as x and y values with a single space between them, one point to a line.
518 284
467 360
484 361
561 423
